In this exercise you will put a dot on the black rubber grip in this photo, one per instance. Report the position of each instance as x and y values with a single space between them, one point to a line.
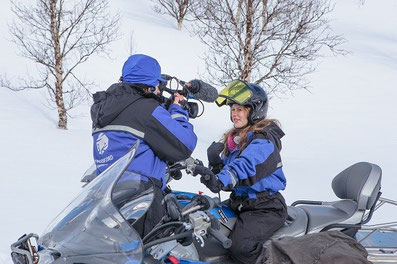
218 235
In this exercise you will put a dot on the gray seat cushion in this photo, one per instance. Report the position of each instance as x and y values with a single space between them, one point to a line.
295 225
320 216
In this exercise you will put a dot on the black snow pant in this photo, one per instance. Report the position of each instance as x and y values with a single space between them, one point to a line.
257 221
125 191
154 214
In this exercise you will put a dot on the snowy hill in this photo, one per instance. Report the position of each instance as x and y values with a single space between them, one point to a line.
349 116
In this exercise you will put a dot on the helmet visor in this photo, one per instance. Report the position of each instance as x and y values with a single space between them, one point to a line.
235 92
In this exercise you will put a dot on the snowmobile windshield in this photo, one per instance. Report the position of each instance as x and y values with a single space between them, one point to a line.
97 226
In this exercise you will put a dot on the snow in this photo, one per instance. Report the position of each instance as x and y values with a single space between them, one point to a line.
348 116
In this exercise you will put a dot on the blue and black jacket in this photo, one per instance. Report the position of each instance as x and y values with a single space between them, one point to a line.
124 114
257 168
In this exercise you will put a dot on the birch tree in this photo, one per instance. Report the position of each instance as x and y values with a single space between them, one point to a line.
60 35
177 9
269 42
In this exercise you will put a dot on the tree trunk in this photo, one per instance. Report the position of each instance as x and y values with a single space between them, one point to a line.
264 17
239 10
180 20
182 9
62 117
246 75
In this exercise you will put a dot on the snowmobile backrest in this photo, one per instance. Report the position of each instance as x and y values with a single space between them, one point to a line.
359 182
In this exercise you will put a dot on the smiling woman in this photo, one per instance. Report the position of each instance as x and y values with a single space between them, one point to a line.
349 116
247 162
239 115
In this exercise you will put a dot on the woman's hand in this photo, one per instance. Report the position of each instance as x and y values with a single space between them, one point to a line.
208 178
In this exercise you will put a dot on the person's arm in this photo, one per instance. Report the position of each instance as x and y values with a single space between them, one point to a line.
169 133
179 114
257 160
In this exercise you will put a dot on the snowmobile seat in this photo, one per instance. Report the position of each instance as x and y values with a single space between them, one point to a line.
358 188
295 225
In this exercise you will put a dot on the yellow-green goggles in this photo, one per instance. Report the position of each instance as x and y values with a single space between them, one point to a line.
235 92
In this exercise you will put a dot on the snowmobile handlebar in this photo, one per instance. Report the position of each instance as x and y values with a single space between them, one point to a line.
218 235
204 201
188 164
198 223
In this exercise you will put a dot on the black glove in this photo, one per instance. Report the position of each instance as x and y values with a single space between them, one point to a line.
208 178
172 207
176 175
214 159
213 153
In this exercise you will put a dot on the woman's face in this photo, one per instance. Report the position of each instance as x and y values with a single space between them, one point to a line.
239 115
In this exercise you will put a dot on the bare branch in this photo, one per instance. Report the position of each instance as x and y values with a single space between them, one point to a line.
23 83
270 42
59 36
177 9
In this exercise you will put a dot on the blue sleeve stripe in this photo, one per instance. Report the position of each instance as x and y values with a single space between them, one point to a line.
180 128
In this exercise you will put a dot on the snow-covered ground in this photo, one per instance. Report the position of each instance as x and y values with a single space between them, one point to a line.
349 116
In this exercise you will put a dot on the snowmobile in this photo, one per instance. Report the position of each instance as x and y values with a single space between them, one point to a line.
98 225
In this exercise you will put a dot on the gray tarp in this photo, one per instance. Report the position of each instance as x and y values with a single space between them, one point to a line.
321 248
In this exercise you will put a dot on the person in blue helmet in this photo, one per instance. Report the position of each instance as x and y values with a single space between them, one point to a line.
132 110
247 162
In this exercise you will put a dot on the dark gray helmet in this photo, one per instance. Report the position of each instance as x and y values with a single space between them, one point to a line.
259 102
246 94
